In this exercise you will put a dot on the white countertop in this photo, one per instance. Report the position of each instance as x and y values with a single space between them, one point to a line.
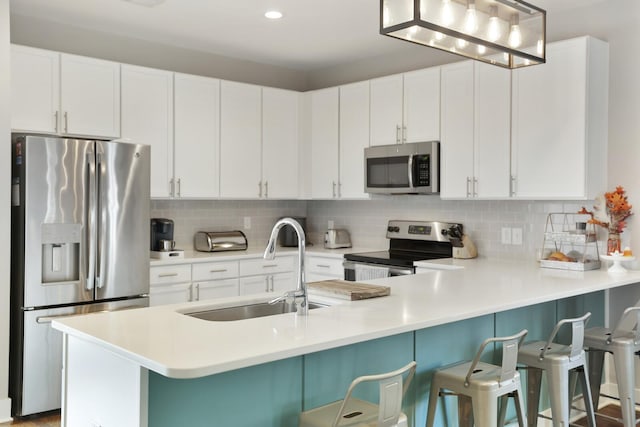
172 344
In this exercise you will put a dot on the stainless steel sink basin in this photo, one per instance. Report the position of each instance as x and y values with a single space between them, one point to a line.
248 311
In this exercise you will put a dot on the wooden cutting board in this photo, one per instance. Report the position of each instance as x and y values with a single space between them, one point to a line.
347 290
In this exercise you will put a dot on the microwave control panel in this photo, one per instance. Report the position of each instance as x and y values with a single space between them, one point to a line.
423 172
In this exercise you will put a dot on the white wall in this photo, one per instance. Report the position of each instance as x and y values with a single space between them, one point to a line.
69 39
5 221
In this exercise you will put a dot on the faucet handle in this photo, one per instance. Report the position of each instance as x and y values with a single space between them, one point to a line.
284 297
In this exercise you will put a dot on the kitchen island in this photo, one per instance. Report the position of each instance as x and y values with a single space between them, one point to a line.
160 367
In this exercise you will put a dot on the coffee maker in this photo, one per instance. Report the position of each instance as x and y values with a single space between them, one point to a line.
162 243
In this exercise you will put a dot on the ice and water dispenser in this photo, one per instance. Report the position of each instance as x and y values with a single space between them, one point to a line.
60 252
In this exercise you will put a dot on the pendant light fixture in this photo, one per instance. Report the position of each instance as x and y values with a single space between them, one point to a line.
508 33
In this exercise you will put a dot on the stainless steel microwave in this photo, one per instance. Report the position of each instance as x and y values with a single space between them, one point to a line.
403 168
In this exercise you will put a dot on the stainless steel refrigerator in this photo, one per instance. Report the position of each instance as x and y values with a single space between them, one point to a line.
80 244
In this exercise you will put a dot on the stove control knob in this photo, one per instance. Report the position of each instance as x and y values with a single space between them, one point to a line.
392 229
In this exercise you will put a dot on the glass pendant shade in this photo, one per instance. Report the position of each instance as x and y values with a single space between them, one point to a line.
508 33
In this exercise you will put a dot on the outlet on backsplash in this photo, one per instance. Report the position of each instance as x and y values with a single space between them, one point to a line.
516 236
247 223
330 224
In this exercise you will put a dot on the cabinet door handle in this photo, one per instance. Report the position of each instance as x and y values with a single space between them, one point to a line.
266 284
339 189
168 275
179 187
513 185
222 270
197 285
468 187
334 189
404 134
66 122
397 134
271 277
266 189
475 187
55 123
260 189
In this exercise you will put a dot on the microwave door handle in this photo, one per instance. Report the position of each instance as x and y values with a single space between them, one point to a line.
410 170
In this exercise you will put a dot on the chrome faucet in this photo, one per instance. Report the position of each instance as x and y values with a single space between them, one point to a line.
270 253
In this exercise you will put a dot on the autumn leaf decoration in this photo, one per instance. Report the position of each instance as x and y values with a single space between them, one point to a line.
617 210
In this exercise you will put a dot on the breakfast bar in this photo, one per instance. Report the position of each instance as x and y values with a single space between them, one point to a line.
158 365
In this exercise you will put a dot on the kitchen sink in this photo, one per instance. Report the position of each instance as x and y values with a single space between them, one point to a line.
250 311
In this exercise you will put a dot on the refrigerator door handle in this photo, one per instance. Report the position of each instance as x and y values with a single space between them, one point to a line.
90 221
98 211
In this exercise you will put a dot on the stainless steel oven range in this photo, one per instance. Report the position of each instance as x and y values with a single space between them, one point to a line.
409 241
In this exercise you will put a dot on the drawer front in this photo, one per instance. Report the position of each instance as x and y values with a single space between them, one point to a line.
169 294
216 289
165 274
325 266
253 267
215 270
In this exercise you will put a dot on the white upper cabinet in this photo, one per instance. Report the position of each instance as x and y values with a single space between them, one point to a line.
560 120
90 100
64 94
353 139
147 118
196 136
386 110
280 143
240 140
35 90
323 122
422 105
475 129
405 107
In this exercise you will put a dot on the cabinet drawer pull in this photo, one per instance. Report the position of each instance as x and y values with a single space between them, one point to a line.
323 265
269 265
222 270
168 275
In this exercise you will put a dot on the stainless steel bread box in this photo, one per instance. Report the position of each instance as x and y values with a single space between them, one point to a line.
218 241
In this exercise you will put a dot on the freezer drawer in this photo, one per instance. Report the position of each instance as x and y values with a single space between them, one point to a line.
37 384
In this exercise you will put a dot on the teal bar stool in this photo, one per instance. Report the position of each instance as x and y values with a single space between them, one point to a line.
479 386
356 412
623 343
559 362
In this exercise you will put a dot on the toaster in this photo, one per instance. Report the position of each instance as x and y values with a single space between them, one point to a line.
337 238
218 241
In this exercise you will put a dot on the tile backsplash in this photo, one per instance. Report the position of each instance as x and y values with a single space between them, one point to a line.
366 220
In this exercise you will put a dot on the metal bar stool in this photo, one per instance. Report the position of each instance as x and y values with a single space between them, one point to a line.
479 385
623 343
355 412
558 361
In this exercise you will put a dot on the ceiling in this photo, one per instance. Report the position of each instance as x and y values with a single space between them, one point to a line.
312 34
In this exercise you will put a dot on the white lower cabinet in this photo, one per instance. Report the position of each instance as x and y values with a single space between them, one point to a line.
260 275
323 268
169 284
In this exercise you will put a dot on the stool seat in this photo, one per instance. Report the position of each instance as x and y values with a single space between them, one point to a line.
623 342
480 386
357 413
354 412
560 362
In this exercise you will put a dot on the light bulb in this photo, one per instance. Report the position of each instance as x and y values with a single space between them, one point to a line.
540 47
515 36
493 33
461 43
439 35
471 18
413 29
385 16
447 13
481 49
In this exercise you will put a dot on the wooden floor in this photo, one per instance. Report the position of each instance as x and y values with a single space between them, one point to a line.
54 420
42 421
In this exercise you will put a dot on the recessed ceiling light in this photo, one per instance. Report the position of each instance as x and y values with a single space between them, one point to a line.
273 14
148 3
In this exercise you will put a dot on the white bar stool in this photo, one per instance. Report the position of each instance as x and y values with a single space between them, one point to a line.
557 361
479 385
623 343
355 412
